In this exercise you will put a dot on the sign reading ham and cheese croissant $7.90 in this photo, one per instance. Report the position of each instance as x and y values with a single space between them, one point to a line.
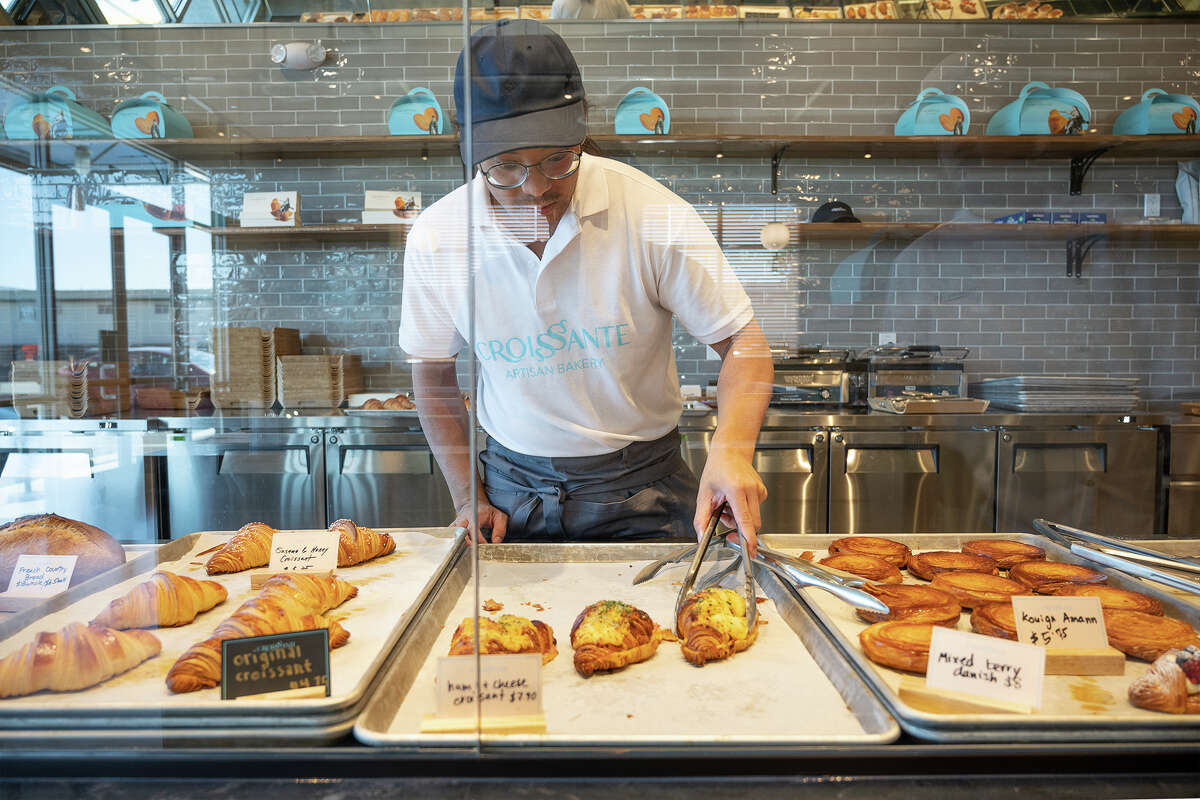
1060 622
304 552
510 685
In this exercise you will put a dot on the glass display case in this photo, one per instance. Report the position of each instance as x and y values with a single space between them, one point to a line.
258 283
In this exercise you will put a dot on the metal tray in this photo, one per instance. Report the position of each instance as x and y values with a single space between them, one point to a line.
380 412
791 687
1063 718
138 699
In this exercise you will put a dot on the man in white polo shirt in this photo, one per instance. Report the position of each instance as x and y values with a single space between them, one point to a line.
580 264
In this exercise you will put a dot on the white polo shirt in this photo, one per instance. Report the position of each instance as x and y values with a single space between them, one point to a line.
574 348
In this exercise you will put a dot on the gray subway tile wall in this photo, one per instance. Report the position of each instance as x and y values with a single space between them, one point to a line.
1133 312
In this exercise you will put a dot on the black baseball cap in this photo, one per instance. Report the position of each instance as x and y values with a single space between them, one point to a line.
525 90
834 211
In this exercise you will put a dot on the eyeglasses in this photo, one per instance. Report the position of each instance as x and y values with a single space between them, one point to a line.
512 174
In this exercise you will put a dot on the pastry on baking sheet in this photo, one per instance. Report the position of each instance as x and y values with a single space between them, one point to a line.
506 634
52 535
1110 597
869 567
611 634
926 565
890 551
76 657
1004 552
1172 683
1146 636
995 619
973 589
166 600
713 625
899 644
912 602
1038 574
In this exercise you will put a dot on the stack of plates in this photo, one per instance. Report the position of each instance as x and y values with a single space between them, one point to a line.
1059 392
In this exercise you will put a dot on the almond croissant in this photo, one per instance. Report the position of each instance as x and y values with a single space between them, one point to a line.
286 604
713 625
357 544
249 547
165 601
76 657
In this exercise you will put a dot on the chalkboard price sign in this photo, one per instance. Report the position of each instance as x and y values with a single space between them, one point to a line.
275 663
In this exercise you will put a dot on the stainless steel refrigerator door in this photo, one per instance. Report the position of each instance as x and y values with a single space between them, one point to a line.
221 481
912 481
385 480
1183 493
794 466
1102 480
102 478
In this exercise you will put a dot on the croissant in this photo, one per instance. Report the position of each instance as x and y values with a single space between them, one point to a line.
249 547
373 404
357 544
713 625
610 635
165 601
286 604
1171 683
508 634
76 657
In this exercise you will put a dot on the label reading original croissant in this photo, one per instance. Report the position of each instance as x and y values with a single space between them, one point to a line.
304 552
510 685
1060 622
41 576
986 666
278 662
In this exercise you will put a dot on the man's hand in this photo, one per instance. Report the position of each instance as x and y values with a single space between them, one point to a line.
730 478
490 519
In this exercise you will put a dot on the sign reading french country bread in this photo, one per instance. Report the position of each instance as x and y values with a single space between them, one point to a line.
41 576
284 662
1010 672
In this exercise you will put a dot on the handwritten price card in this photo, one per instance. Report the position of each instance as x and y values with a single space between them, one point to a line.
304 552
510 686
1060 622
282 662
986 666
41 576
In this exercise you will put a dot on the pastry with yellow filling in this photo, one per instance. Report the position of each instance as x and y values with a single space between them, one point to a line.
899 644
869 567
1039 574
973 589
912 602
506 634
926 565
893 552
713 625
611 634
1005 553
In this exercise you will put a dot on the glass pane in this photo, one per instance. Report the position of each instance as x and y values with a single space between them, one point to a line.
130 12
21 317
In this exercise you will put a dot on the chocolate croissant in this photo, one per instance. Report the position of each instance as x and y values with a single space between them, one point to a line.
165 601
508 634
714 625
250 547
611 634
76 657
357 544
1172 683
286 604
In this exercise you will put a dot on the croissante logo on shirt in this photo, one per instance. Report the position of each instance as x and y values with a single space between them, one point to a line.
557 338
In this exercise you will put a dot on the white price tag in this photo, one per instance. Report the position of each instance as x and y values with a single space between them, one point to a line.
1060 622
511 685
304 552
986 666
41 576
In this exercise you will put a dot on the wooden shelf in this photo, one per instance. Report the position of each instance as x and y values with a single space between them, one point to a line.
157 153
340 231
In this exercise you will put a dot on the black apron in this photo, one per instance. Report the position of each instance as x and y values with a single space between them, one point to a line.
644 491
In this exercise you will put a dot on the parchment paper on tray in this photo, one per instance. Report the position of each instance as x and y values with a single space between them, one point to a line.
774 692
387 588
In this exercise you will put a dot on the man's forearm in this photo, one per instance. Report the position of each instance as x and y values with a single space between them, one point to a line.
446 424
743 390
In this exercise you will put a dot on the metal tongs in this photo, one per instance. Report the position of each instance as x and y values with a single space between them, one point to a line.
701 551
1121 555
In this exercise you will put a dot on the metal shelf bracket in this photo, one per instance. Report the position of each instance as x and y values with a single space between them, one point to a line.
776 161
1077 249
1079 168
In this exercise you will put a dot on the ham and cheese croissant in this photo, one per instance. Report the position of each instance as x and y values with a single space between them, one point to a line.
286 604
165 601
611 634
76 657
357 544
508 634
1172 683
713 625
250 547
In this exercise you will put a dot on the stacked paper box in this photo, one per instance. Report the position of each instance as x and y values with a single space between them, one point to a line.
318 381
50 389
244 374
